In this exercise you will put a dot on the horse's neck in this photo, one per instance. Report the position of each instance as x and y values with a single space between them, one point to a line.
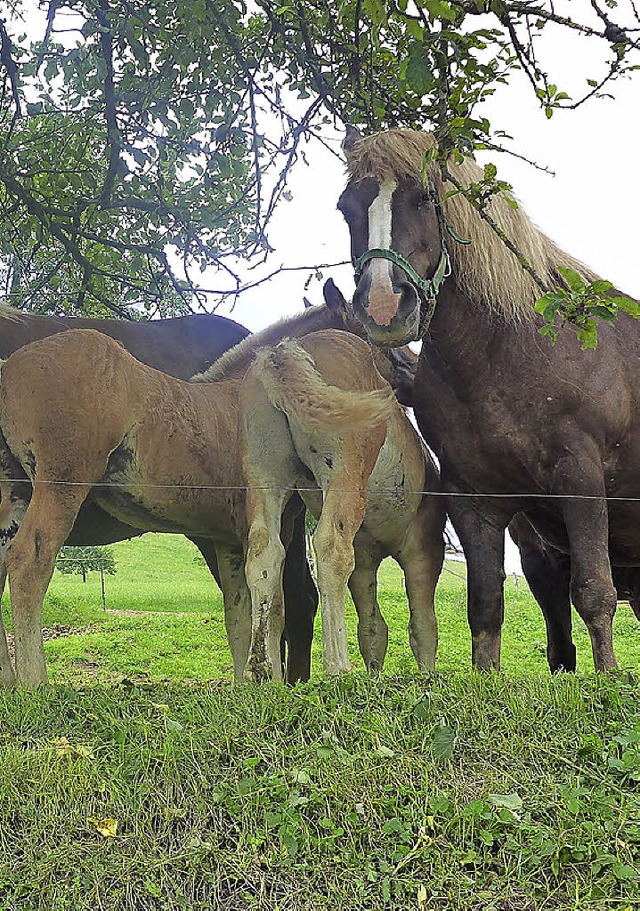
235 362
459 337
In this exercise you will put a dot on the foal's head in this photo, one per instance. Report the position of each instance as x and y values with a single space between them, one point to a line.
396 245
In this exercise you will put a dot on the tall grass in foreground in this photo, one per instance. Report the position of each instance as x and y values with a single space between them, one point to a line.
464 791
144 780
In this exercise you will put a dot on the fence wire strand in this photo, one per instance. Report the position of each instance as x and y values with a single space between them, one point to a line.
123 485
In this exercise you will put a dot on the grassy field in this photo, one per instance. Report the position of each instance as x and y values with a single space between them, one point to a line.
143 780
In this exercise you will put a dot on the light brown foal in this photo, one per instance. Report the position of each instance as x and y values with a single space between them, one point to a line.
320 419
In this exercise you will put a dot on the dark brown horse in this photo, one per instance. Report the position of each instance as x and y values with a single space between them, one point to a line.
517 424
180 347
548 574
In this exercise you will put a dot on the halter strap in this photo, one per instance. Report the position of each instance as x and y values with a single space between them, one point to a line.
429 286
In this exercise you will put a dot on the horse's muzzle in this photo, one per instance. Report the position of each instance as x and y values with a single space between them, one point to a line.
391 316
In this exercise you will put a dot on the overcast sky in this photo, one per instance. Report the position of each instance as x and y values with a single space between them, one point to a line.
590 206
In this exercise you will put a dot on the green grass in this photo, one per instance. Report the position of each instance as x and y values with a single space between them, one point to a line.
184 639
458 792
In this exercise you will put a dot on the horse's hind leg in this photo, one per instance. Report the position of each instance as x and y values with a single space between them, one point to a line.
237 605
342 514
264 572
421 559
13 506
7 675
373 633
30 564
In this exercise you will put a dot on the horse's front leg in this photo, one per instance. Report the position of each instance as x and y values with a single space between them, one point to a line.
237 605
264 571
300 599
482 537
592 588
548 574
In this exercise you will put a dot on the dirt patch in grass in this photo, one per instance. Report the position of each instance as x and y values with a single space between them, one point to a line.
115 612
55 631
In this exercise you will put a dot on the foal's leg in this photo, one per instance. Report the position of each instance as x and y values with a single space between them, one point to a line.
237 605
12 510
264 570
342 514
7 675
30 564
373 633
421 558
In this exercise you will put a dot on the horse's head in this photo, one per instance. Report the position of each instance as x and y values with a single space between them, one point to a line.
398 252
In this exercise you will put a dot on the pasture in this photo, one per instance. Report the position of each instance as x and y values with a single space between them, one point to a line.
143 780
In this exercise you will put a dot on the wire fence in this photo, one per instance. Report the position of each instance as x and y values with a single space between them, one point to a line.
456 494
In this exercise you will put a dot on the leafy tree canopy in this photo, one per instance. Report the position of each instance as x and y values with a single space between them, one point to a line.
142 144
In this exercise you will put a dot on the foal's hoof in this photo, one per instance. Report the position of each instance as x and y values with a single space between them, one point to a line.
337 669
259 672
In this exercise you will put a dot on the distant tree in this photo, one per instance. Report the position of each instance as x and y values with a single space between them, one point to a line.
83 560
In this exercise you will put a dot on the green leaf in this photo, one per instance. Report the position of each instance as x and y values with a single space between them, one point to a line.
375 10
588 337
443 742
572 278
628 305
438 9
508 801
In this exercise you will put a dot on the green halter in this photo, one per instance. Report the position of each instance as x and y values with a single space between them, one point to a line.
428 286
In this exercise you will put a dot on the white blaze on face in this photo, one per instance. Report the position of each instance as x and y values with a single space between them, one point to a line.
383 299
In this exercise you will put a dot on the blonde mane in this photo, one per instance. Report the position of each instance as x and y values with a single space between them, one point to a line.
237 360
485 270
8 312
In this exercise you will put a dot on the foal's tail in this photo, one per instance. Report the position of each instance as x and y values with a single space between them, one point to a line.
294 385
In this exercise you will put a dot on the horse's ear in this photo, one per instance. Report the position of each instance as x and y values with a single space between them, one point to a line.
334 298
307 303
353 135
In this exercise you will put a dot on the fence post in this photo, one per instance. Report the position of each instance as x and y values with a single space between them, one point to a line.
104 599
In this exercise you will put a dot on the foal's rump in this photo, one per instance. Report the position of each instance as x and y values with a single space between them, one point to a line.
63 403
325 380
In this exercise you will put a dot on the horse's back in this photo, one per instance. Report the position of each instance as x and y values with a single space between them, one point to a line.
343 360
179 346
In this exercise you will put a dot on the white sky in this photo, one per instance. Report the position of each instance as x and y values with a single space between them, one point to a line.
590 207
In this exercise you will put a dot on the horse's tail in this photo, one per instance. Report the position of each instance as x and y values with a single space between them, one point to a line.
294 385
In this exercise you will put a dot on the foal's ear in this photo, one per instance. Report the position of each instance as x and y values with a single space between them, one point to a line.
353 135
334 298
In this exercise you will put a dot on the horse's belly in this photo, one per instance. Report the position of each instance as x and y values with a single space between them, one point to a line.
394 493
151 494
